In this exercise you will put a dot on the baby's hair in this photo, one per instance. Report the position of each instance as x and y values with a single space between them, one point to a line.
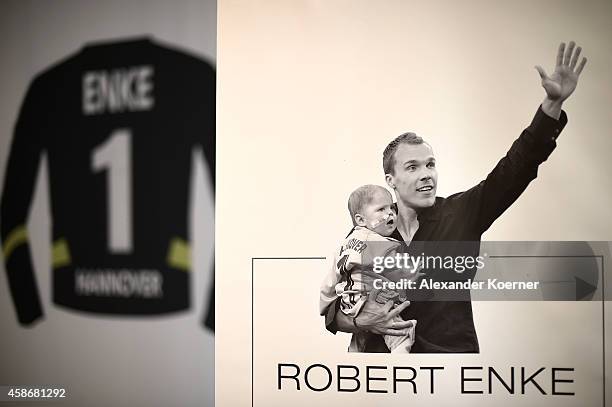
361 197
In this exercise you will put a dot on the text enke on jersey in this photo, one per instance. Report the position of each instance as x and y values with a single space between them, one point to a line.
118 90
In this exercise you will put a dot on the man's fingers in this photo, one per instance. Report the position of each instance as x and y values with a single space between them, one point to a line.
541 72
575 58
581 66
394 332
387 307
560 54
398 328
401 327
568 53
402 324
398 310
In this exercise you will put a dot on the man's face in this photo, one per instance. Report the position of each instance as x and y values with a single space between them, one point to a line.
414 177
378 215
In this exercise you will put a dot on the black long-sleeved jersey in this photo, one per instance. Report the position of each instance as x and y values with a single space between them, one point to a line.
118 123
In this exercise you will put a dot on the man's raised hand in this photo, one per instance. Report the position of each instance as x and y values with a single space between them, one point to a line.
560 85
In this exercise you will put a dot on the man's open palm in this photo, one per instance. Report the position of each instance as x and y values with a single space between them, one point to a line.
564 79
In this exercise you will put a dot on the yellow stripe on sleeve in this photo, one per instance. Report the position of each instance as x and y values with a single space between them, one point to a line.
179 254
60 254
17 237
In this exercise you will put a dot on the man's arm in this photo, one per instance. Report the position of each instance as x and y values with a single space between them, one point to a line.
488 200
373 317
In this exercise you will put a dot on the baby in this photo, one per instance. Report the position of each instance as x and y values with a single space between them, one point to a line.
353 275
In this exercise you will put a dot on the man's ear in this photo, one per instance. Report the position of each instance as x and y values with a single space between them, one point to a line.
360 220
390 181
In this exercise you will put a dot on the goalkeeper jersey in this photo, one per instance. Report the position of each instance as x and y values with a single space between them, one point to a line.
117 123
356 265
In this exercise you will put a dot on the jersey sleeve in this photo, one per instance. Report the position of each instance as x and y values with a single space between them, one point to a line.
327 294
209 315
347 259
208 143
204 117
20 176
205 139
209 133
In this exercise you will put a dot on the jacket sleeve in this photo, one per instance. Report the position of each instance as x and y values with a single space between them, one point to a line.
513 173
20 176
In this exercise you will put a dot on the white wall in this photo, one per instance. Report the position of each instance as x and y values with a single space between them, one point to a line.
103 361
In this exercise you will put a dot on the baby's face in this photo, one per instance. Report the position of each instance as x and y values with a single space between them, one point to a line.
378 215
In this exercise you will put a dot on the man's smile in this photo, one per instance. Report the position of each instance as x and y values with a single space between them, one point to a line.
425 188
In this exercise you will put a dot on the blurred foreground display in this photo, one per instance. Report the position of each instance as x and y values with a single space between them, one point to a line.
118 123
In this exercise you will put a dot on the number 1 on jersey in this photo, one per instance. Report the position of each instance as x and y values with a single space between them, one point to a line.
115 155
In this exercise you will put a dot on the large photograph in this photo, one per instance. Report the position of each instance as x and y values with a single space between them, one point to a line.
391 140
410 171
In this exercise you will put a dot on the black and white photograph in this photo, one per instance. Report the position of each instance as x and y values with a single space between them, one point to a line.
458 149
410 171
